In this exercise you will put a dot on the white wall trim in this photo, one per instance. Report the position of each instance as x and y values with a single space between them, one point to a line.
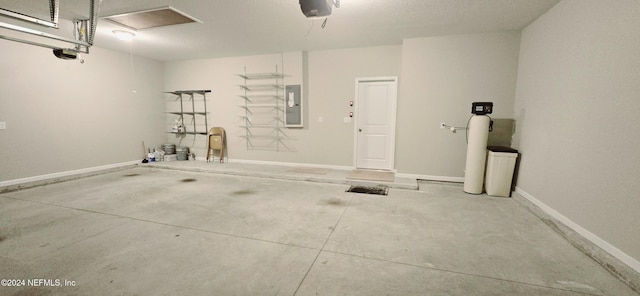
604 245
431 178
65 174
292 164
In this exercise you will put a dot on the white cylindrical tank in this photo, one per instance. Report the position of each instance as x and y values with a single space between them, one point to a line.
476 154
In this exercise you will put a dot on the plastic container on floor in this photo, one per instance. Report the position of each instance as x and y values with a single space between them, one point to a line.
169 148
501 163
182 153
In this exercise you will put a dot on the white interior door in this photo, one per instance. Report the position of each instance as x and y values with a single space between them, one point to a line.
375 122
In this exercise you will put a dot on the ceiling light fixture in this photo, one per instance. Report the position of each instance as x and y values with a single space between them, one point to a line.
124 35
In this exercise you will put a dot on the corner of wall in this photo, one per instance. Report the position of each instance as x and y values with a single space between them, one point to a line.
623 266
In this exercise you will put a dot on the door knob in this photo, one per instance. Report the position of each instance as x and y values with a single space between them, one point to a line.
360 130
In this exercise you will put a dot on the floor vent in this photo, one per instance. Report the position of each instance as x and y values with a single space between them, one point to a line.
378 190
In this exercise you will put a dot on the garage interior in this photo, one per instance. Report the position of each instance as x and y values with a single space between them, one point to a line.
92 203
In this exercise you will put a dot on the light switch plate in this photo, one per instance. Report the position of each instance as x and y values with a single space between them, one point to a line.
3 125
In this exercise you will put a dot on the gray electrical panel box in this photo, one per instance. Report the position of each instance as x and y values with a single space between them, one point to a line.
293 106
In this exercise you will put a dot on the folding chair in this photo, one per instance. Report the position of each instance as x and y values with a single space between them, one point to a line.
217 141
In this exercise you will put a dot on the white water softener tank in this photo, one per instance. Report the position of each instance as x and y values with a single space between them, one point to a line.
477 147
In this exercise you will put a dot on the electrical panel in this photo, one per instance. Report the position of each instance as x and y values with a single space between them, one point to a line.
293 106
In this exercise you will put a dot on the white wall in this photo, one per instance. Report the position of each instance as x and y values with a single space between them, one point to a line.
223 103
330 77
441 77
577 113
63 115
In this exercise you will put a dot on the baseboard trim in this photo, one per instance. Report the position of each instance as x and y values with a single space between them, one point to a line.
292 164
431 178
613 259
348 168
22 183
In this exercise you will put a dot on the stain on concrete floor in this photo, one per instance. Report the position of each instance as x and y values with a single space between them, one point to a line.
334 202
243 192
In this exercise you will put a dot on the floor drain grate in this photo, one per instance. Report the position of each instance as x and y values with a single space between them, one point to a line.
379 190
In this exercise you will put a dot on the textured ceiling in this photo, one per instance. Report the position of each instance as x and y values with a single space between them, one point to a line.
249 27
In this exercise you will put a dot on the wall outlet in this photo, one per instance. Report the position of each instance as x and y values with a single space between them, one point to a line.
442 125
3 125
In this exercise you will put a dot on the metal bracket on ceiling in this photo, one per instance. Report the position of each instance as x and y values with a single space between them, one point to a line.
84 30
52 22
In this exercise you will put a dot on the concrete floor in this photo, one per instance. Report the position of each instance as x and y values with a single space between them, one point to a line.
154 231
